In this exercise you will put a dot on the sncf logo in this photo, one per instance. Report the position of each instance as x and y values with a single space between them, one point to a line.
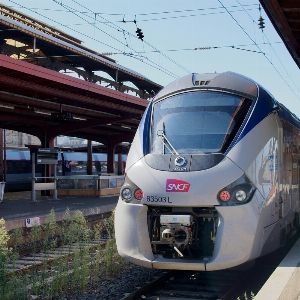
175 185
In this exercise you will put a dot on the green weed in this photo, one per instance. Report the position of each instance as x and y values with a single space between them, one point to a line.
50 231
68 275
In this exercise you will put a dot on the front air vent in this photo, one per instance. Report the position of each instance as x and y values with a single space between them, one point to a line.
202 82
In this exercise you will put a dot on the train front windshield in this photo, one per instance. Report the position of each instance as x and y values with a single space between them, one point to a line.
196 122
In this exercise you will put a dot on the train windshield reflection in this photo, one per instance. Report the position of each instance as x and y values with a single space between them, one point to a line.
195 122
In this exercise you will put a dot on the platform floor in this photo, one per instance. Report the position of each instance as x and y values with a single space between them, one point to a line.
16 207
284 283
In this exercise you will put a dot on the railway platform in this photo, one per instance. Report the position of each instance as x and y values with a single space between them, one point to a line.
17 208
283 284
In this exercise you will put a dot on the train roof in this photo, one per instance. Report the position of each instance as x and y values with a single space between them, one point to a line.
227 81
234 83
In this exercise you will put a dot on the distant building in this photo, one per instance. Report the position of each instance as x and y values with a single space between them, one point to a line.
68 141
16 139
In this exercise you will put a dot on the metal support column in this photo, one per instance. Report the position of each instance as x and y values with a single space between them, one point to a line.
4 156
2 163
89 158
110 157
1 154
120 163
55 183
47 142
33 194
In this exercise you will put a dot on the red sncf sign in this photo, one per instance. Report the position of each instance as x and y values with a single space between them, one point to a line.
175 185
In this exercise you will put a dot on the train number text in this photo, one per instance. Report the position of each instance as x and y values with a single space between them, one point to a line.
158 199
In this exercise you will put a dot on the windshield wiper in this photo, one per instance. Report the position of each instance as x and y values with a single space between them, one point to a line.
166 142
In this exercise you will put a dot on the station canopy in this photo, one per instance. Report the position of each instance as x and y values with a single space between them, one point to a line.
38 97
285 16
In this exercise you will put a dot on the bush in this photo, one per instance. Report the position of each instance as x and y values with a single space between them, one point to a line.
4 237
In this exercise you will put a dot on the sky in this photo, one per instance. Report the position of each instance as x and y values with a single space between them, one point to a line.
180 37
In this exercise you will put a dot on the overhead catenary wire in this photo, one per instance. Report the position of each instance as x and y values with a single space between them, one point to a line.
182 16
114 38
190 10
270 44
141 58
129 33
258 47
145 42
55 21
155 19
222 6
94 39
237 46
140 14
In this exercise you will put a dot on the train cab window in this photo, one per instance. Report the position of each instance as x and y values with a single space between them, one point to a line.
196 122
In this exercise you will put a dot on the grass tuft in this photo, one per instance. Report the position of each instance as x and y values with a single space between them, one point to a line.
71 274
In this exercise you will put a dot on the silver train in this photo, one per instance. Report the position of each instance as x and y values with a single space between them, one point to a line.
212 176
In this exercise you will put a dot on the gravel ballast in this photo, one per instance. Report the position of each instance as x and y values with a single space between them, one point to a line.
126 281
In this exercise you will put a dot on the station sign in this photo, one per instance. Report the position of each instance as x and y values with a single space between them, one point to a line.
30 222
47 156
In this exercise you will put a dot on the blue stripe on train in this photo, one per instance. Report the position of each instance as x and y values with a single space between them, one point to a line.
265 104
144 130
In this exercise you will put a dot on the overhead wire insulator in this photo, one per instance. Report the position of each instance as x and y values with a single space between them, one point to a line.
261 23
139 33
261 20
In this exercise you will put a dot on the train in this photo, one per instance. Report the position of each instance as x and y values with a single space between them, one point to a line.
18 165
212 176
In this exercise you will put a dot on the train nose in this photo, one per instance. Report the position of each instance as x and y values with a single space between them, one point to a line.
191 189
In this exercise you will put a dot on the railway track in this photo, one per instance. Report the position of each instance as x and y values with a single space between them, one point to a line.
31 255
35 261
44 270
187 285
219 285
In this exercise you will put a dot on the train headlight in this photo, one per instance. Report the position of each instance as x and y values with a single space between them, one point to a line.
130 192
237 193
126 194
240 195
